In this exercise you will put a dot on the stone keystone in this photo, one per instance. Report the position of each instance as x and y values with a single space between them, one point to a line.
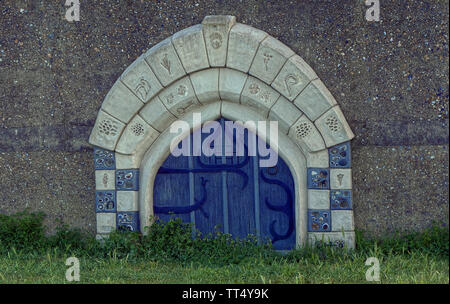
215 31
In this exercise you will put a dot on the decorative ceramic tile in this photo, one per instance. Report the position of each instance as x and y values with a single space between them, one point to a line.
318 178
340 156
341 199
128 221
105 201
319 220
127 179
104 159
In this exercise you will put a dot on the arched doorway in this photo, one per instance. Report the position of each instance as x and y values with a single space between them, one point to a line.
231 194
222 68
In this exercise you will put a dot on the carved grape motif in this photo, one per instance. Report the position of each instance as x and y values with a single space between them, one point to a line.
107 127
333 123
137 129
302 130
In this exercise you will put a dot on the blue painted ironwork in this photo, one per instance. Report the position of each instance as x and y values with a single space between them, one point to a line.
187 209
287 208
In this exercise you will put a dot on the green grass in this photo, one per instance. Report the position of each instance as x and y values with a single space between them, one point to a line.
416 268
168 254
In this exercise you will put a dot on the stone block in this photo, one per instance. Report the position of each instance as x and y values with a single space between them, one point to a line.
179 98
127 201
295 75
206 85
286 113
106 222
157 115
317 159
315 100
259 96
342 220
269 59
306 135
318 199
164 61
341 179
231 83
121 103
126 161
104 179
191 49
333 127
106 131
243 43
137 131
215 32
141 80
334 239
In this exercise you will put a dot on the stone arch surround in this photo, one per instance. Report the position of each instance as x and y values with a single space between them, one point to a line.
223 68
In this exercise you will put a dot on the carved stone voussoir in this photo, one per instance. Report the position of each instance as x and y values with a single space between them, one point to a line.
215 31
106 131
164 61
190 46
243 43
333 127
121 103
315 100
295 75
270 58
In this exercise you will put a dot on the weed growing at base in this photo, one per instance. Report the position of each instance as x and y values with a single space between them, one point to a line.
171 242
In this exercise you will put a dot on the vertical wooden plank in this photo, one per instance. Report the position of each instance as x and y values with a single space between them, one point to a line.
256 195
208 186
241 197
168 183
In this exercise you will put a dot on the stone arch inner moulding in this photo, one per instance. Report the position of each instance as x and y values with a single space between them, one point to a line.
223 69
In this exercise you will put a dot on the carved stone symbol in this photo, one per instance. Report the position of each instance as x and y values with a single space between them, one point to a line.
170 98
138 129
265 96
182 90
254 88
105 180
303 130
340 176
107 127
267 58
216 40
182 110
333 123
165 62
289 81
143 88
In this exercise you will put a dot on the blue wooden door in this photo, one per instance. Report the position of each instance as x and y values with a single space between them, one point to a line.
230 194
